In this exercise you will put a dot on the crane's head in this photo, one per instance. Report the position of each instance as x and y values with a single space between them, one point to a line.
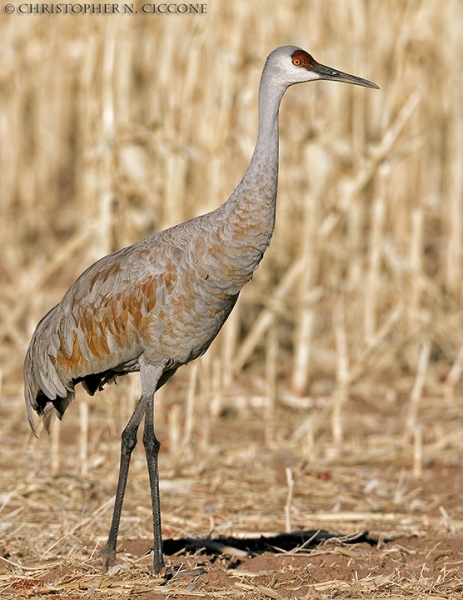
294 65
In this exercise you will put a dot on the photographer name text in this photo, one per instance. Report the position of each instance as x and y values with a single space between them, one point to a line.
105 9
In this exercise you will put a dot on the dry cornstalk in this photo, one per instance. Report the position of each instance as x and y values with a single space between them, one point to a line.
416 264
289 498
417 391
418 453
309 447
55 438
175 436
230 336
106 167
305 317
190 408
374 256
454 375
266 316
175 189
83 436
447 520
342 373
204 366
271 373
302 359
217 398
453 266
375 345
349 189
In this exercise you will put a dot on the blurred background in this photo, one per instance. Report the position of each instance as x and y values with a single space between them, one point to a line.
113 127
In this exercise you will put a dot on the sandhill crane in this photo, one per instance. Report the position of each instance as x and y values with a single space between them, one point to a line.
158 304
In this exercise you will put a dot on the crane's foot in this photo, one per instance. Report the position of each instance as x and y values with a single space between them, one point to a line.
158 563
109 558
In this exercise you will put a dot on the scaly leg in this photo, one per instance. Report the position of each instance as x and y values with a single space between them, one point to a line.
152 446
128 443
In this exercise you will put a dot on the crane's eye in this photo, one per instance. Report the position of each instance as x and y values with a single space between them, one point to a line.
300 58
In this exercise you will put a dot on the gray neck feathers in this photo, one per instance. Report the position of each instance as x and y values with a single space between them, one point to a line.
253 201
261 177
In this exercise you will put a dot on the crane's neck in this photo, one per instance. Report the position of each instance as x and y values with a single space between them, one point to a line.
262 174
251 207
240 230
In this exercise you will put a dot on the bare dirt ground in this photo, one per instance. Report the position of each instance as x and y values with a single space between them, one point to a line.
363 524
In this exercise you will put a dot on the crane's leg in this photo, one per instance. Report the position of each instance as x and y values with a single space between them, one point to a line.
152 446
128 443
151 376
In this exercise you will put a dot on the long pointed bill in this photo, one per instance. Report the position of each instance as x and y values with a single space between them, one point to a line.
330 74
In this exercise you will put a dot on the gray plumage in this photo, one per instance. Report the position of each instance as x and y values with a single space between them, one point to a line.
159 303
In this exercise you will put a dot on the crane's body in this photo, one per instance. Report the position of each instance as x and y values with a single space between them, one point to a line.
158 298
159 303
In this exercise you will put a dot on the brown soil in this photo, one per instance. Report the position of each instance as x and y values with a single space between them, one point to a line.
362 526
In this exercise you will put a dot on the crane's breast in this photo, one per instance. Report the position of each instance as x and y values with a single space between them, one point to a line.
188 315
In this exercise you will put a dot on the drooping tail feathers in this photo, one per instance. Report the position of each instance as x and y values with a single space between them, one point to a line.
44 392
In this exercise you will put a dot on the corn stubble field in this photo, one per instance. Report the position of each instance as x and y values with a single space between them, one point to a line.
332 400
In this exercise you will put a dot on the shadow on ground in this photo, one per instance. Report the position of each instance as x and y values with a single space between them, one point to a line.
295 541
